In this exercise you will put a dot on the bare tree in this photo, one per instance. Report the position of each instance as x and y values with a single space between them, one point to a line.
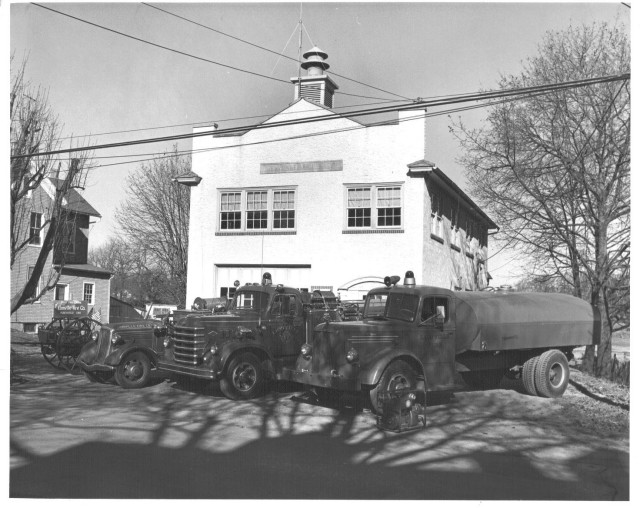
555 169
117 256
155 217
36 129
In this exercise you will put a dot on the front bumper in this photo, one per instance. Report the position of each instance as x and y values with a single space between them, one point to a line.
94 367
334 381
188 370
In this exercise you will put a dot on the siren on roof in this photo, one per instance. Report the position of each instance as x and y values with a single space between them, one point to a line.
409 279
391 281
266 279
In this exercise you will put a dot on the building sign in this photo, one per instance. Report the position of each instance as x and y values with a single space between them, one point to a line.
70 308
300 167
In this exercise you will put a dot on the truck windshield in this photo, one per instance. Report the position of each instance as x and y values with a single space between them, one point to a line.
250 300
374 306
402 306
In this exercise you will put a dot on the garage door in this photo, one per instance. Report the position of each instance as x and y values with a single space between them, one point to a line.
297 276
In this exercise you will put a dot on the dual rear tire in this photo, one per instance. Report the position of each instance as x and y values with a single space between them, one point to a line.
546 375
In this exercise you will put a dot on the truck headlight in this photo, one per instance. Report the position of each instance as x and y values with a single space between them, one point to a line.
306 350
116 339
214 349
352 355
166 342
95 335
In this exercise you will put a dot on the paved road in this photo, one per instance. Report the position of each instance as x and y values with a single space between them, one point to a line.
74 439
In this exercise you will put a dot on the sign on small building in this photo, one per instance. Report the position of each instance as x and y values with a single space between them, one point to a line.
70 308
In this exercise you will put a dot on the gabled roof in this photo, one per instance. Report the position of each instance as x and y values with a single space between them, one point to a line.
74 202
429 169
311 103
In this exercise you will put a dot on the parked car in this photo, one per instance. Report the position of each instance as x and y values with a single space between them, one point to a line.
128 352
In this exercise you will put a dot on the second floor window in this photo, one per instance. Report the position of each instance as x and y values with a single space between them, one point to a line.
35 229
389 206
374 207
359 207
259 209
230 210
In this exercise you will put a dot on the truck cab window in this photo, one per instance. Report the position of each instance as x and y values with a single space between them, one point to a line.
375 305
250 300
402 306
435 309
283 305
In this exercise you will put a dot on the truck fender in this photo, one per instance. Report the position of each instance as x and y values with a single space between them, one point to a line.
370 375
230 348
116 357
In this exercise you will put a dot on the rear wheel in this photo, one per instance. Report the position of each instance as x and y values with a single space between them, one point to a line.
398 375
529 375
244 378
134 370
552 374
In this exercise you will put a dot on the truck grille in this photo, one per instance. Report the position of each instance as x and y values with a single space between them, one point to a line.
189 344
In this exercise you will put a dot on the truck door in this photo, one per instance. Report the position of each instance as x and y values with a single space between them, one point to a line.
287 325
437 337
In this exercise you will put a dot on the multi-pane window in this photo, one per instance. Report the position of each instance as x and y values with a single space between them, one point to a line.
284 213
359 207
383 200
389 206
257 210
35 229
88 292
230 210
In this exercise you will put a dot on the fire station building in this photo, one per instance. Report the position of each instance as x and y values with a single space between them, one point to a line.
330 204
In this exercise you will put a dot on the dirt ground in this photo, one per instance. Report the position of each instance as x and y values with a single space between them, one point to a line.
70 438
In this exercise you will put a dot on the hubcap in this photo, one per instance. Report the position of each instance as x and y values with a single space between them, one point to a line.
133 370
398 382
244 377
556 375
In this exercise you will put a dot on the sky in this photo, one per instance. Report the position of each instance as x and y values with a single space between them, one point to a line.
100 82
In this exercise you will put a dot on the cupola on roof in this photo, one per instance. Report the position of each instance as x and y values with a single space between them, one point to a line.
316 86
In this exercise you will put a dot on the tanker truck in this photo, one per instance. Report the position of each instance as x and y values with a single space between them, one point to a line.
258 335
426 335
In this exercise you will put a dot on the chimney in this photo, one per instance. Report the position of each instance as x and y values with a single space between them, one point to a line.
316 86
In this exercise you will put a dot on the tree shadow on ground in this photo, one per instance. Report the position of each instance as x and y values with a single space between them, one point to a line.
300 451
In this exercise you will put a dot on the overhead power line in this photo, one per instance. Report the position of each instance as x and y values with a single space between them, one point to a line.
184 153
358 113
163 47
270 50
211 122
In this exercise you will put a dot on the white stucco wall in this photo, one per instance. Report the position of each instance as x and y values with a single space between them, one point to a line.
371 155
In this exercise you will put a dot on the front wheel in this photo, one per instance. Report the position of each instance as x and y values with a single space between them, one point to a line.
552 374
397 376
134 370
244 378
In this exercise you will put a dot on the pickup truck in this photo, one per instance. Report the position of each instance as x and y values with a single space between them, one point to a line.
427 335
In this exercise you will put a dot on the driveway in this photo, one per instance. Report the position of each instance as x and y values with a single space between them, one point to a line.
74 439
